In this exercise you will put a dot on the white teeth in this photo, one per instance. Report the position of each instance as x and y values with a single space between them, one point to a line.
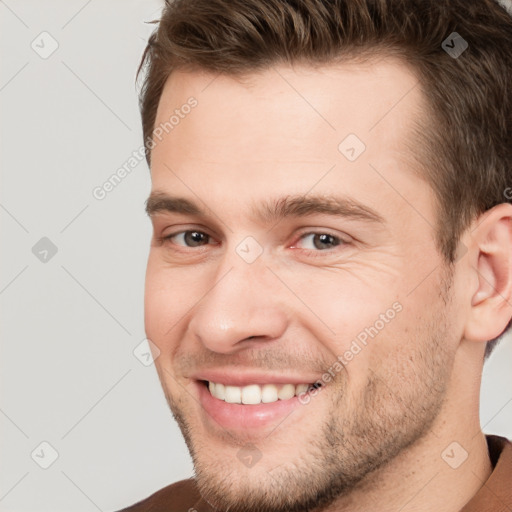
251 394
254 394
217 390
269 393
233 395
220 391
286 392
301 388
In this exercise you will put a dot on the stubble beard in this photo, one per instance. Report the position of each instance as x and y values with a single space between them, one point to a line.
359 436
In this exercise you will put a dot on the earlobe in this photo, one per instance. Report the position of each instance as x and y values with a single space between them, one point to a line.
491 297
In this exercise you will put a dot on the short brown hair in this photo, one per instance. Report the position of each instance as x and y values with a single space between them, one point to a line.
466 140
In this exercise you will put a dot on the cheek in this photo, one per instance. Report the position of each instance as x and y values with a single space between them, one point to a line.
170 295
415 335
343 303
161 296
368 318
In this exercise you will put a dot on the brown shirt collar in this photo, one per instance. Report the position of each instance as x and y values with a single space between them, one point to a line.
495 495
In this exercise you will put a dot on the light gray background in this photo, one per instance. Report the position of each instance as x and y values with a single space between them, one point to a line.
70 324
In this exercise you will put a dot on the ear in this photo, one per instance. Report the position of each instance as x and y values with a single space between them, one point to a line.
490 253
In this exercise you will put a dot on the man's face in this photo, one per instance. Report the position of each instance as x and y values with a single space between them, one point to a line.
307 255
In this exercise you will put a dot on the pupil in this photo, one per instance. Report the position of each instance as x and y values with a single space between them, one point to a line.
194 238
324 240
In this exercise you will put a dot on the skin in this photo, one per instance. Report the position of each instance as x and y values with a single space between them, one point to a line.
372 438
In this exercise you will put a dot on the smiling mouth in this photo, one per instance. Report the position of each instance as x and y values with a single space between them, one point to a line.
254 394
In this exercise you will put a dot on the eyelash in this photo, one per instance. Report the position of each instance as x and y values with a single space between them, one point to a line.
340 242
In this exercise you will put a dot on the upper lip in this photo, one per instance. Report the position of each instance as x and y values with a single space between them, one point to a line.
245 378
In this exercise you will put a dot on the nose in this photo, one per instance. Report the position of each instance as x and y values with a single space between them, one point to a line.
244 303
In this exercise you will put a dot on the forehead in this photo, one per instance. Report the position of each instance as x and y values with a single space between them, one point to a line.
285 127
377 99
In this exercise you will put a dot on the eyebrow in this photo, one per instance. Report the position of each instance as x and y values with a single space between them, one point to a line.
275 209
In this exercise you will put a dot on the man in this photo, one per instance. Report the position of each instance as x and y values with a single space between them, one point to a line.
332 250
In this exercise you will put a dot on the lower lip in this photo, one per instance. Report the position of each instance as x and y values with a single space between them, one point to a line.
241 416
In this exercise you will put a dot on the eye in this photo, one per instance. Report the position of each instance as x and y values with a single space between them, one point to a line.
188 238
319 241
